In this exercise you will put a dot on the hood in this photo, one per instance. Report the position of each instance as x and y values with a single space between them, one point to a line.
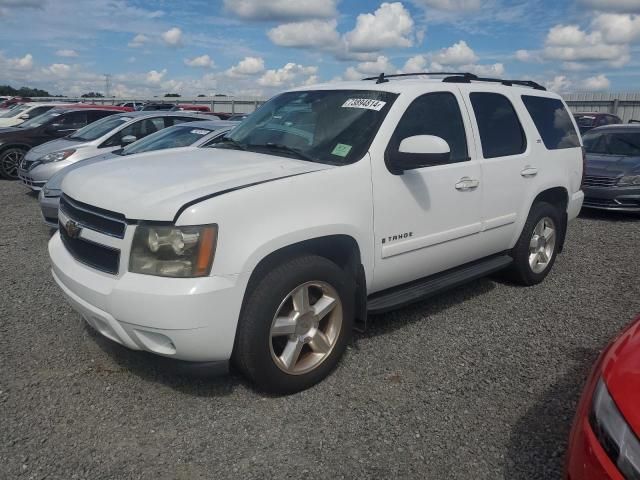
53 146
621 373
11 130
611 165
55 182
155 185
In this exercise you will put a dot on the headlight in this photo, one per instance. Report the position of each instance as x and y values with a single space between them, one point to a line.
614 434
170 251
630 180
51 192
57 156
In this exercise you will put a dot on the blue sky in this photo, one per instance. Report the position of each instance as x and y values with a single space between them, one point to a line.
259 47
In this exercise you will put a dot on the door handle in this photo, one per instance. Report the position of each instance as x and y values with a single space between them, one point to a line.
529 172
465 184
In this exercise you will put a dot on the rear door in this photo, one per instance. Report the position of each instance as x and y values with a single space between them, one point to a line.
507 167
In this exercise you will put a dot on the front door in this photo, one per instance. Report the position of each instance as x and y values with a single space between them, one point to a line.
429 219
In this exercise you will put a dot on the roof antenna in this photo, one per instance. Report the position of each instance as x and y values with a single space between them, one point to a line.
381 79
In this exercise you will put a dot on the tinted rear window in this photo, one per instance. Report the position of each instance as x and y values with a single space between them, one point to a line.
552 121
501 134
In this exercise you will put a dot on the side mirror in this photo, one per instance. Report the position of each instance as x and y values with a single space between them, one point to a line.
127 139
417 152
24 116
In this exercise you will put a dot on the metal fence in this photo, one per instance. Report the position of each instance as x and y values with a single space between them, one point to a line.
624 105
216 104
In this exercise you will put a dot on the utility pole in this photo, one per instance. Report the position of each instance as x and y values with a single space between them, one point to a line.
107 85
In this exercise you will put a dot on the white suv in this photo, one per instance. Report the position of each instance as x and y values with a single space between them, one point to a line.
328 203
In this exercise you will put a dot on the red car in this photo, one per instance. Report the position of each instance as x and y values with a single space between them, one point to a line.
194 108
605 438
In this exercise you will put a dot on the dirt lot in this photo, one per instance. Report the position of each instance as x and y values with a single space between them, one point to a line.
479 383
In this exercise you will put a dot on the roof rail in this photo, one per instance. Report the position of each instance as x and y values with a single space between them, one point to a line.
458 77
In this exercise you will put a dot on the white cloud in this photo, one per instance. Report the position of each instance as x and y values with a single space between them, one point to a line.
524 56
60 70
617 28
247 66
282 10
493 70
620 6
389 26
569 43
173 37
415 64
457 54
67 53
139 41
203 61
154 77
559 84
24 63
289 75
451 5
596 84
313 33
370 68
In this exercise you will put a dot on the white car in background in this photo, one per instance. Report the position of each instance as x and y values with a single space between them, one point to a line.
192 134
23 112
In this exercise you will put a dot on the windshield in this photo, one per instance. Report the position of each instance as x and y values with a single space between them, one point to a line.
626 144
172 137
41 119
586 121
98 129
327 126
14 111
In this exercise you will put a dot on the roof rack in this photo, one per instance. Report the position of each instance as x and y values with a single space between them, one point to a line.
459 77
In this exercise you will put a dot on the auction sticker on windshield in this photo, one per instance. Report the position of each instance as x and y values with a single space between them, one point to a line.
199 132
367 103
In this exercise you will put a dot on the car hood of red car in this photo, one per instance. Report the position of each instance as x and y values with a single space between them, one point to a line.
621 373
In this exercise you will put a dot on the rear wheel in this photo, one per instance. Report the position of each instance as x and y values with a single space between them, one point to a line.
295 324
10 160
537 248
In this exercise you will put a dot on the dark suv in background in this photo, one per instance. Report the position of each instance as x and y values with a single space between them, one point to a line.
15 142
587 121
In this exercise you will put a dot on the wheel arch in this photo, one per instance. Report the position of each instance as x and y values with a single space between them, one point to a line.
558 197
341 249
22 146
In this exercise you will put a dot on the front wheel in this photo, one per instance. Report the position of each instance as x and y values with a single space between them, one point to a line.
295 324
10 160
537 248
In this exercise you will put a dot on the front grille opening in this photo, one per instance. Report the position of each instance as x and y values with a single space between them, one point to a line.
100 257
97 219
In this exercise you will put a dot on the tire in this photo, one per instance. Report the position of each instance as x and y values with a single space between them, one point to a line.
10 160
526 269
265 349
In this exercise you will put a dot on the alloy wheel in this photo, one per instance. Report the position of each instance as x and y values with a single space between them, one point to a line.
10 162
542 245
306 327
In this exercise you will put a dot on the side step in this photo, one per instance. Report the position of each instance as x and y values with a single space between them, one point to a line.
420 289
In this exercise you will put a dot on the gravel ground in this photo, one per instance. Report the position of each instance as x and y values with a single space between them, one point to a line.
481 382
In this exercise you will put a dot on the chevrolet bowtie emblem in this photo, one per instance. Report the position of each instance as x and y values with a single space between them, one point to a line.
72 228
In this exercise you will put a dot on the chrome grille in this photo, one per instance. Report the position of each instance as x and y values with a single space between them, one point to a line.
600 181
94 218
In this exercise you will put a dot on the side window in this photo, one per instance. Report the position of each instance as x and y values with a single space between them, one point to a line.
38 111
98 114
171 121
73 120
138 129
434 114
552 121
501 133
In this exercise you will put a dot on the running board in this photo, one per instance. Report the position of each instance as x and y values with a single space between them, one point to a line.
420 289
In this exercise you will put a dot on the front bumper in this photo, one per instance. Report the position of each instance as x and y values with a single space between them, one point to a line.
186 319
623 199
49 209
587 460
36 176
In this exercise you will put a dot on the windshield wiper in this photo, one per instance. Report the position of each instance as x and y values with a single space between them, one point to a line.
284 149
231 143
